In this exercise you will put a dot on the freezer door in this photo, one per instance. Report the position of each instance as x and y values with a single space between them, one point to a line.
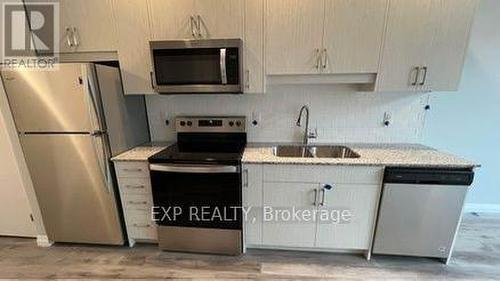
70 180
418 220
49 101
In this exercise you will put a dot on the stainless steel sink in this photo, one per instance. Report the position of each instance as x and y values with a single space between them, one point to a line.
314 151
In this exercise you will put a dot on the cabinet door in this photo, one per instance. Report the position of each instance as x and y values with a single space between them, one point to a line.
220 18
360 202
353 35
452 21
279 196
133 45
252 201
254 46
92 25
406 44
170 19
294 31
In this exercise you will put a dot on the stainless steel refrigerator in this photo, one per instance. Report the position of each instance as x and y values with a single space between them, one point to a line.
71 121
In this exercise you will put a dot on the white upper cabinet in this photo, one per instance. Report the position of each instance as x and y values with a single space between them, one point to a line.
425 45
86 26
172 19
452 21
132 24
220 18
253 46
294 31
327 36
196 19
353 35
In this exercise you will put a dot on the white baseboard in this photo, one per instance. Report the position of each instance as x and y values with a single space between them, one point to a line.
482 208
43 241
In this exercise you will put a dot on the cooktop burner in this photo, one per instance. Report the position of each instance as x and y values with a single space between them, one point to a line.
206 140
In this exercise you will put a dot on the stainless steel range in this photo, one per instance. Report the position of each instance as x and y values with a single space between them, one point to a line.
197 186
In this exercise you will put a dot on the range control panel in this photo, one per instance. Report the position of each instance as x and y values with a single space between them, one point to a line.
207 124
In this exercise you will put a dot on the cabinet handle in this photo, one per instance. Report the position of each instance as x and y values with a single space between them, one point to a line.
323 194
137 203
199 24
68 37
417 75
324 58
322 203
141 225
425 76
192 24
315 197
135 186
132 170
76 40
318 58
245 178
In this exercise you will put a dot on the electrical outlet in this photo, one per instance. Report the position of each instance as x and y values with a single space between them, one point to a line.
166 118
387 119
256 118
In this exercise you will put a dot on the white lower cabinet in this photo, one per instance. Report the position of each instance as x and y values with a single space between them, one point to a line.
359 204
279 228
136 196
327 208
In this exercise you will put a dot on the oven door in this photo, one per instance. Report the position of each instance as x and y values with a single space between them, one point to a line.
197 66
201 196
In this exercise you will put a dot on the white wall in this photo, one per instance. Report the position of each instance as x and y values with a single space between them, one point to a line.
339 117
468 122
14 205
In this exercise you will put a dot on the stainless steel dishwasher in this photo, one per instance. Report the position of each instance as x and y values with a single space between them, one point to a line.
420 211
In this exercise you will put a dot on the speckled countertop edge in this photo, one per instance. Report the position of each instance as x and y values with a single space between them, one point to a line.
399 155
141 152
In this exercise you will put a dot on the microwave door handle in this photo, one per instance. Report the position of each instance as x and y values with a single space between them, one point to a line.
223 72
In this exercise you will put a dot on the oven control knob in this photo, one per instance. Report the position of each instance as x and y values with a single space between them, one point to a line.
183 123
238 123
189 123
231 123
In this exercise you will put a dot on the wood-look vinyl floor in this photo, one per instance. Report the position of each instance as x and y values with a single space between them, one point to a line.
476 257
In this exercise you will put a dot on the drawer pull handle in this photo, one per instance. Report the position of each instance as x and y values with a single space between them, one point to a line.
137 203
135 186
132 170
141 225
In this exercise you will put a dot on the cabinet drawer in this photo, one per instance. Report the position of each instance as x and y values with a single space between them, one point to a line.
135 185
140 225
137 201
323 173
132 169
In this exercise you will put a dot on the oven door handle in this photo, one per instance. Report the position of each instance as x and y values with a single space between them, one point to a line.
194 169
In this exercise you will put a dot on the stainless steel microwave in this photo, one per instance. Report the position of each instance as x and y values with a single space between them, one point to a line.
197 66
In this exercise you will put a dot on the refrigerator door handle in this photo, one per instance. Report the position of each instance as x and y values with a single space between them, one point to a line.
99 147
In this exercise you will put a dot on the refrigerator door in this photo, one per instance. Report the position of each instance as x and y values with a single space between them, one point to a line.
73 187
126 120
50 101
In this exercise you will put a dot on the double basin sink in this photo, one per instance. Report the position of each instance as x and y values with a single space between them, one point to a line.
320 151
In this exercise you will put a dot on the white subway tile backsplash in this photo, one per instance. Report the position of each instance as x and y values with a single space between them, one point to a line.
339 117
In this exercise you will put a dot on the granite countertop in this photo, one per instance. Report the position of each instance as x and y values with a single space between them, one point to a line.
401 155
141 152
